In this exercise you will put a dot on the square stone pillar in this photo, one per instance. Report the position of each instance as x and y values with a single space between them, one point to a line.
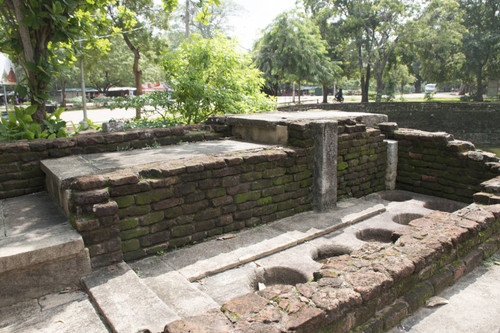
325 134
392 164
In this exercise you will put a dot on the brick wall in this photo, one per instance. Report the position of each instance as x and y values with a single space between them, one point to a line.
436 164
476 122
20 171
362 160
151 210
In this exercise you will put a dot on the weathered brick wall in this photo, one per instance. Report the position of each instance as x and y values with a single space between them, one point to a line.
476 122
362 160
171 205
373 288
436 164
20 171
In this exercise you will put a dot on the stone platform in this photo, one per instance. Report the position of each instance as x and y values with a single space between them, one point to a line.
40 251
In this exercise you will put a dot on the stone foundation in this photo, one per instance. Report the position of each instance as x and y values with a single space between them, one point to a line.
370 290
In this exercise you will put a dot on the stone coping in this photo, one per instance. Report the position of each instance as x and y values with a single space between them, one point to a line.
68 168
370 290
282 118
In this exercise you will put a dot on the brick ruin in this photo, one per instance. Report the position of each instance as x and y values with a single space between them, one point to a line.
130 213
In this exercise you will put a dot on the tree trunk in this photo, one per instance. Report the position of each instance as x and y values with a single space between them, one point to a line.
187 21
418 84
479 83
293 92
137 72
380 88
325 94
365 84
299 92
63 93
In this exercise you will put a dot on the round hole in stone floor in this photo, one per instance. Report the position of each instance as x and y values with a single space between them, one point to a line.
278 275
376 235
444 205
330 251
397 196
406 218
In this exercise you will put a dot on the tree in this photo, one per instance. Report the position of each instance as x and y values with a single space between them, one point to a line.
184 23
211 76
432 45
372 29
292 49
30 31
481 42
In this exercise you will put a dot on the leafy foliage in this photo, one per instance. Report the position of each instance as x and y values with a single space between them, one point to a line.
211 76
21 125
32 30
292 48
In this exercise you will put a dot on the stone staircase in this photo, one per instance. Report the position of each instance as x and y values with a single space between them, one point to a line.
40 252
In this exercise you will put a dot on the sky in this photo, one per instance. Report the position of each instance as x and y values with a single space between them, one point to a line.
255 16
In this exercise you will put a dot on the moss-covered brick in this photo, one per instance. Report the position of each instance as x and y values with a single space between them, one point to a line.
152 218
250 176
130 245
373 158
153 196
418 295
206 214
173 212
183 230
302 175
306 183
264 201
124 202
273 173
134 233
194 207
273 191
260 184
137 254
283 180
134 211
342 166
244 197
215 193
128 223
292 187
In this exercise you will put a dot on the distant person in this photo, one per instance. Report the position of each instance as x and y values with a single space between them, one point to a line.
339 97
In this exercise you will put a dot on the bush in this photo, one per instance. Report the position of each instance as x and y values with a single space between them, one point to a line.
21 125
211 76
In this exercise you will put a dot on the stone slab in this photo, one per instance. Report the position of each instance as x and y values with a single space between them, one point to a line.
67 313
272 119
127 304
184 298
28 213
70 167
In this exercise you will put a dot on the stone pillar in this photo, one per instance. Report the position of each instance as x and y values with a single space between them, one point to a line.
392 164
325 134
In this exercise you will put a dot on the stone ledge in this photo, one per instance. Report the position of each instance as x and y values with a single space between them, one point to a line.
372 289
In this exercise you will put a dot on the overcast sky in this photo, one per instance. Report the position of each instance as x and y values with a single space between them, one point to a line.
255 16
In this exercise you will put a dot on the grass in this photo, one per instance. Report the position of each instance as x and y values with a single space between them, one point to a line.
495 150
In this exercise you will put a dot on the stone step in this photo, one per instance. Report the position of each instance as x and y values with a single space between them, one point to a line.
173 288
126 302
40 252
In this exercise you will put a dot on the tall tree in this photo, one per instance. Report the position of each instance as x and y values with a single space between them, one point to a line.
135 20
481 42
30 31
372 29
292 49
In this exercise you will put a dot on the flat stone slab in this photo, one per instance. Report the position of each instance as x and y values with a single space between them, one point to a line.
279 118
66 168
34 212
127 303
69 312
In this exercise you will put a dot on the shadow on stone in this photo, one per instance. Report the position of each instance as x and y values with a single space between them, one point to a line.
377 235
406 218
278 275
444 205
